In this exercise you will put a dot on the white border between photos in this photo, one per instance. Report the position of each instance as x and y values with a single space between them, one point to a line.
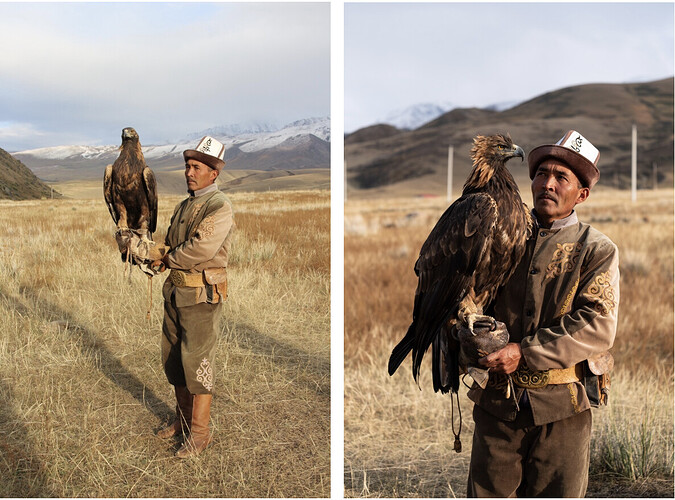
337 248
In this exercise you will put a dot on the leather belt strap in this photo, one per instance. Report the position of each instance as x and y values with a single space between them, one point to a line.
531 379
183 279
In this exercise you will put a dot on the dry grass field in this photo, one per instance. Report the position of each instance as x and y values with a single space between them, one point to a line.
398 441
81 384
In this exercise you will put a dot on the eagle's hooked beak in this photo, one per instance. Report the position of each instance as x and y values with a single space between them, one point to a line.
128 133
518 151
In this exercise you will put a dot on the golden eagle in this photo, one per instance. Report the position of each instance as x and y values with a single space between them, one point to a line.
130 192
469 254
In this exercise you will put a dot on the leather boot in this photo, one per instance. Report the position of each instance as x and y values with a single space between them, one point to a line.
200 436
181 424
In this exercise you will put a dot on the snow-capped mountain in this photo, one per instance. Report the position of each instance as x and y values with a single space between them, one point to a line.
416 115
235 129
304 144
63 152
249 140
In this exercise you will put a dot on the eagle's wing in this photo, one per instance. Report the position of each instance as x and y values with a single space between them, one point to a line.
151 191
448 259
108 193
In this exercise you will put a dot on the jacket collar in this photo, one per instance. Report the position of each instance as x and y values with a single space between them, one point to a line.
570 220
200 192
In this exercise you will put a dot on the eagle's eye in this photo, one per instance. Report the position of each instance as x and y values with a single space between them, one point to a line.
501 146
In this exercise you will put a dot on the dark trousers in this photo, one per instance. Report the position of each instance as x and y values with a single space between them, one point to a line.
519 459
189 344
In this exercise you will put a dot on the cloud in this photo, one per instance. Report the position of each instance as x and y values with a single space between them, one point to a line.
168 68
476 54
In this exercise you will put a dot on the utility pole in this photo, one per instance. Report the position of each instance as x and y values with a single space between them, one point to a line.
633 167
655 175
451 154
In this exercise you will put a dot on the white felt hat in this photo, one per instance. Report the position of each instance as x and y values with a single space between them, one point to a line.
208 151
575 151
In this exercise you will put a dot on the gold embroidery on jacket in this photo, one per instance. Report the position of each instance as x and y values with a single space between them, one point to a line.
566 305
573 397
564 259
205 374
207 227
195 211
603 292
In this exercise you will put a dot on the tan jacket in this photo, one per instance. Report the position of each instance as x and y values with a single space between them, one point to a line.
199 238
561 304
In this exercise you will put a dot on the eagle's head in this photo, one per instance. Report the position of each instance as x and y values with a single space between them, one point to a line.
494 149
129 133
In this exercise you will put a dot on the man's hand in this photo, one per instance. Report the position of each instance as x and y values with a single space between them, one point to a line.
159 266
505 360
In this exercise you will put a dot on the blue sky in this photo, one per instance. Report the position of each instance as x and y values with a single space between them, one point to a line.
77 73
476 54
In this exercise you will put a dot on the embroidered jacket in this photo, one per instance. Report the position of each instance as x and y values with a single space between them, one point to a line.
199 238
561 304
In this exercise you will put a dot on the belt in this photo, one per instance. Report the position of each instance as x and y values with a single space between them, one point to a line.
181 278
531 379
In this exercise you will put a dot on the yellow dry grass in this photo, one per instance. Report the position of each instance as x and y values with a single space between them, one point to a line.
81 384
397 438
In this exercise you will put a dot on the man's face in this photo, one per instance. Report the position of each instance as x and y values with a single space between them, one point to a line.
199 175
555 191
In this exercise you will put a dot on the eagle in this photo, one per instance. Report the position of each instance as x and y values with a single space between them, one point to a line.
130 192
470 253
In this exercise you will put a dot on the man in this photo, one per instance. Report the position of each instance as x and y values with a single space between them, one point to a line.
560 308
198 241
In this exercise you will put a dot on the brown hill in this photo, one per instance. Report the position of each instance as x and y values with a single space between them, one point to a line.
371 133
17 182
415 162
294 153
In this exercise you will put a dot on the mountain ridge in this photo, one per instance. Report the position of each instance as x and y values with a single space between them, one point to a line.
399 161
301 144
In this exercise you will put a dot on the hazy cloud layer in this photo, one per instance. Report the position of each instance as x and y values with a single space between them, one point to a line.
78 73
479 54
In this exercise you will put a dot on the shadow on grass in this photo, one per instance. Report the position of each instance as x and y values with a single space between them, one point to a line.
89 343
289 358
23 473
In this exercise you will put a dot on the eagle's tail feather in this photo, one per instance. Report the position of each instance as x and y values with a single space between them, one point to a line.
401 350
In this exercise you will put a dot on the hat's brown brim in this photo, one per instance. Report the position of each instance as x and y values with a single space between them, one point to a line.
209 160
587 173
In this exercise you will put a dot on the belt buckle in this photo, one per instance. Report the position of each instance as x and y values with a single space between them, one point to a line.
531 379
178 278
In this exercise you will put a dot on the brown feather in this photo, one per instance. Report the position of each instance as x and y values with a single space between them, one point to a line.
130 189
469 254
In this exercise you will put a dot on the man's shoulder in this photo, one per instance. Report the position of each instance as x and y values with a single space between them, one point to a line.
596 238
218 200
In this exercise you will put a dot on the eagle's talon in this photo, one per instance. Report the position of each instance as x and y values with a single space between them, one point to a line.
485 322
